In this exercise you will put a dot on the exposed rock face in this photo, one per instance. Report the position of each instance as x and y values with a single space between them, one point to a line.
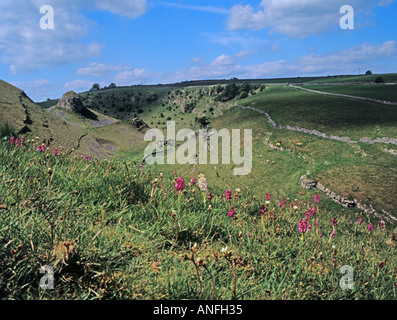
71 101
345 202
139 124
307 183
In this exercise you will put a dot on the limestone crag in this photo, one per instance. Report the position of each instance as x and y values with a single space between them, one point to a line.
71 101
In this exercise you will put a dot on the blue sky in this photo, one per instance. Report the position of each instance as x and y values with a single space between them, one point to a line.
148 41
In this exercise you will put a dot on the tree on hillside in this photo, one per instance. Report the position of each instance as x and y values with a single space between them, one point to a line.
229 92
379 80
368 73
95 86
245 87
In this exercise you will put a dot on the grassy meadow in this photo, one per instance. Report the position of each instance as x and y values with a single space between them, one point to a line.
112 228
115 230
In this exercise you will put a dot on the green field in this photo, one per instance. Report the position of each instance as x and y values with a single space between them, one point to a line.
107 228
374 91
110 230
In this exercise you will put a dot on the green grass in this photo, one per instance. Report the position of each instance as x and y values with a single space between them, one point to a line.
107 228
108 231
331 115
379 92
388 77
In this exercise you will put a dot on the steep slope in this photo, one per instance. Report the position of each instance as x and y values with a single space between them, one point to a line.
32 121
88 133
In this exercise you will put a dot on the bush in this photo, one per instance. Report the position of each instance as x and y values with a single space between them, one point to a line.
379 80
243 95
7 130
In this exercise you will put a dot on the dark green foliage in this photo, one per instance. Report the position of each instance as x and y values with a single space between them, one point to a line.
379 80
7 130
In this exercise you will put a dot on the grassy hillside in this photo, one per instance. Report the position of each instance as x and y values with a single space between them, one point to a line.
374 91
30 120
114 230
57 127
361 171
388 77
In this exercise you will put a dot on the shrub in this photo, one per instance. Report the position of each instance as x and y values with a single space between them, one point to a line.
379 80
7 130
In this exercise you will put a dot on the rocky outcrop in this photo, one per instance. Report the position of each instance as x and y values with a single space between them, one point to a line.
139 124
307 183
71 101
345 202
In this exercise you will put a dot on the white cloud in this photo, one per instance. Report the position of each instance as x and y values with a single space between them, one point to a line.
121 74
129 8
25 47
295 18
97 70
340 62
245 54
132 76
208 9
78 85
37 89
222 60
346 61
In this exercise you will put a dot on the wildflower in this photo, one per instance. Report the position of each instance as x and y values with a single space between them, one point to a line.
224 249
262 208
380 264
316 222
202 183
333 220
228 194
370 227
304 225
317 198
232 212
333 234
359 220
268 196
248 235
238 190
311 212
180 184
41 148
12 140
22 142
381 223
192 182
280 204
308 204
295 207
267 202
55 152
319 233
210 196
